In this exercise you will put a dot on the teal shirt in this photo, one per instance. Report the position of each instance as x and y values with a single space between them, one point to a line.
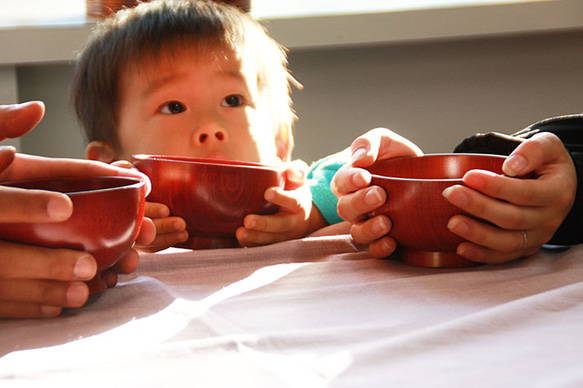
319 178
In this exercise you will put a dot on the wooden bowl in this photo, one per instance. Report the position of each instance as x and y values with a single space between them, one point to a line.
107 217
417 208
212 196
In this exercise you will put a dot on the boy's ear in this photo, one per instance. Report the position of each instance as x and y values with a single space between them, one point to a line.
100 150
284 142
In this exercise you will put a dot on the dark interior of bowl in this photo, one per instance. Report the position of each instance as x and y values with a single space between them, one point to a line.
220 162
69 185
436 166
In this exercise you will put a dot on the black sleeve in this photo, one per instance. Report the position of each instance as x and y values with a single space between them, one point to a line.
570 130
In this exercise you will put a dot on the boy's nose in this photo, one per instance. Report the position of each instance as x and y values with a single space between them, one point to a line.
209 136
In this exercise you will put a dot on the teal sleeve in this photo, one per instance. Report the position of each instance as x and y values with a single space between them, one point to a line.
319 178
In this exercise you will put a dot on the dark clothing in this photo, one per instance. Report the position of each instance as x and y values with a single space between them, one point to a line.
570 130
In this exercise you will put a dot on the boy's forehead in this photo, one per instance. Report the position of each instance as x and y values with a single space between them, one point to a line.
179 58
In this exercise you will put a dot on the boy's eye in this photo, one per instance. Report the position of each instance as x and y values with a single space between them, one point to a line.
232 101
172 108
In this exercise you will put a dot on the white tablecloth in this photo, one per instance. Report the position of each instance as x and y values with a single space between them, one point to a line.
312 313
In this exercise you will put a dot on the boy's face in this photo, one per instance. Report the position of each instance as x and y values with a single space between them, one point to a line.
200 104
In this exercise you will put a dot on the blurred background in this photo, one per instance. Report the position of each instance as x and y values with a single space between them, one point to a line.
434 71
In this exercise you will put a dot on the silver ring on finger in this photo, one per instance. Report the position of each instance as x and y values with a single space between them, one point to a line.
524 239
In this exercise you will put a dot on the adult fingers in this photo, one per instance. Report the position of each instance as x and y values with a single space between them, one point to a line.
20 261
9 309
537 151
44 292
31 166
19 205
489 244
7 154
18 119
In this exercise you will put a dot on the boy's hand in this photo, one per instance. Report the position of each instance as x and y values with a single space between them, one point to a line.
169 230
356 199
296 216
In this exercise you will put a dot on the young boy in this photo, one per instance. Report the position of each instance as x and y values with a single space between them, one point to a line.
199 79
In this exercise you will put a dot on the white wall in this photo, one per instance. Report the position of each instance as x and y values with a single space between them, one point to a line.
434 93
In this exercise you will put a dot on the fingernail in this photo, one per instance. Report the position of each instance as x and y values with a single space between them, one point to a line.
179 225
85 268
182 237
455 197
251 223
77 294
458 227
50 311
514 165
380 227
358 154
465 252
270 194
387 247
373 197
361 178
59 208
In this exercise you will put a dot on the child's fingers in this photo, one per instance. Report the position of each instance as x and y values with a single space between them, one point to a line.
285 199
348 180
271 223
372 229
169 232
169 225
249 237
353 207
383 247
156 210
380 143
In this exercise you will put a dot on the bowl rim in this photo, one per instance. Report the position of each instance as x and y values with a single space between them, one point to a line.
133 182
209 161
430 156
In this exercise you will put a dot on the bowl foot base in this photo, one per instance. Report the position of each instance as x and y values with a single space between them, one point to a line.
435 259
204 242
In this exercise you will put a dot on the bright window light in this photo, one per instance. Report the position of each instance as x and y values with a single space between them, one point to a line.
43 12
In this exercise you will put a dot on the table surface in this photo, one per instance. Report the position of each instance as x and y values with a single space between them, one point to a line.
315 312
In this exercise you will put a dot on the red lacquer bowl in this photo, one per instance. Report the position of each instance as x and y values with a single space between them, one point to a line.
107 217
417 209
212 196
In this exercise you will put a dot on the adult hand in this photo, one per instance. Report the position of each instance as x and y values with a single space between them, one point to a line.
37 281
522 214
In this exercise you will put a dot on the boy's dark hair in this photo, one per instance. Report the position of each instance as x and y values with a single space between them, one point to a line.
150 28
